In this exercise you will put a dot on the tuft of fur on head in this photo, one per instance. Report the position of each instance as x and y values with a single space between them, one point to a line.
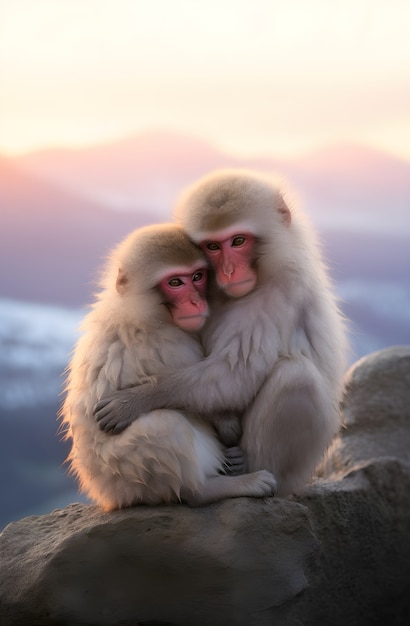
141 259
231 196
235 201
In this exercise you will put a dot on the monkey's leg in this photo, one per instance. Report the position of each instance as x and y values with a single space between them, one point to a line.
151 462
290 424
256 485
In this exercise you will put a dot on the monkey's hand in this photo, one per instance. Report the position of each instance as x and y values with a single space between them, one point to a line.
229 428
114 413
234 461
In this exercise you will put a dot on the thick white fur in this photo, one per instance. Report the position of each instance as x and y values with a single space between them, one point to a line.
127 337
161 452
280 352
276 354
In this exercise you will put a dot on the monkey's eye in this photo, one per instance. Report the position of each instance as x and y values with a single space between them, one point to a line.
175 282
212 245
238 241
197 276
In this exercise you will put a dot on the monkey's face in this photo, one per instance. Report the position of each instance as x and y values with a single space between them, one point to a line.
185 296
231 255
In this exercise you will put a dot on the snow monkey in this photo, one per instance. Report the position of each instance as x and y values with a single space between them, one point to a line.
275 347
142 324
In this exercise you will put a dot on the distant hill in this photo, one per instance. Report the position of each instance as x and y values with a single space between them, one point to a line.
52 241
340 185
58 219
147 170
355 188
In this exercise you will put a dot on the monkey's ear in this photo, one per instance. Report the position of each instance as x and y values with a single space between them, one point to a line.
122 280
284 211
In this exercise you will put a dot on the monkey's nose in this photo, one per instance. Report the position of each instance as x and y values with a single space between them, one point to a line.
195 298
227 269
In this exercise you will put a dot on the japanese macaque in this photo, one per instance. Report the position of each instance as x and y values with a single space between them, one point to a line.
153 298
275 345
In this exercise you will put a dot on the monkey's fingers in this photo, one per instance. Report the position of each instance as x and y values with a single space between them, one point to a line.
101 408
112 426
234 453
109 418
111 408
234 461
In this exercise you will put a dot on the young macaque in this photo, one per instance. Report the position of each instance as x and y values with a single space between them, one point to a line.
275 344
143 324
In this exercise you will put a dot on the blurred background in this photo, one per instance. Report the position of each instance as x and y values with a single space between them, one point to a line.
108 108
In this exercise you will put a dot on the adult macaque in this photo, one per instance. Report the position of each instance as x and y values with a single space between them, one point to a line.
152 293
275 346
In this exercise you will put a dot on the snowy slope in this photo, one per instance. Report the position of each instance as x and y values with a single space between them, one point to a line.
35 344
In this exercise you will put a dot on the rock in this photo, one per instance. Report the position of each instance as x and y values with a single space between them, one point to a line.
222 564
362 574
376 410
338 554
361 512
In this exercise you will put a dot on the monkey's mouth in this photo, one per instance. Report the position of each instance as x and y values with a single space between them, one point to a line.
241 288
191 317
192 322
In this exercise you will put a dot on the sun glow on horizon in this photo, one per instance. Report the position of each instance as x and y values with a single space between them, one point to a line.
252 78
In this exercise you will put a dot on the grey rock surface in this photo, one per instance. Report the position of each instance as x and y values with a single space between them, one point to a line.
337 554
222 564
376 409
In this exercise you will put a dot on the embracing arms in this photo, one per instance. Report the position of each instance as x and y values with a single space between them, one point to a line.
206 388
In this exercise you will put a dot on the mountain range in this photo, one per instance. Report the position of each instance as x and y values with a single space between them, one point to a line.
62 210
146 172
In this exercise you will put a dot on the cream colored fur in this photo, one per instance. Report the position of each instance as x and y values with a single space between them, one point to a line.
127 338
278 354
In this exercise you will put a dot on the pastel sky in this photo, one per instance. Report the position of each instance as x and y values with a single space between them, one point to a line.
273 77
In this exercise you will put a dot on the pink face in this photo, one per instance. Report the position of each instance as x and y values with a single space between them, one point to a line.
231 258
185 295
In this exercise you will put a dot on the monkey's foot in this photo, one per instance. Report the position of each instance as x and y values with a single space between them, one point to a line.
261 483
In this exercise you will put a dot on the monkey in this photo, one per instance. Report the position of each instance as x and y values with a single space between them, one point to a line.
143 323
276 343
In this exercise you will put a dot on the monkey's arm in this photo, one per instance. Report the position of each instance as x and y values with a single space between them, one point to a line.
205 388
